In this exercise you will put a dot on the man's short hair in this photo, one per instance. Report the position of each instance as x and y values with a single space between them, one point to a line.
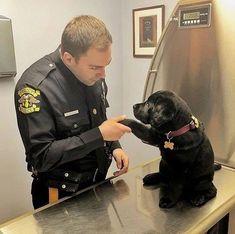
82 33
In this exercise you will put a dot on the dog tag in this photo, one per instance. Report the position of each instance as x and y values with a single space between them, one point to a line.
168 145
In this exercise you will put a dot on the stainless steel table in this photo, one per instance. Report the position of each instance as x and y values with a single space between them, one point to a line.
124 205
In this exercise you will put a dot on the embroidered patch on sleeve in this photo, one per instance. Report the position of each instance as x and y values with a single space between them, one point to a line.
28 100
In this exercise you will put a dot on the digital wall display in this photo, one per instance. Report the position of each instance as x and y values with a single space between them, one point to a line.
195 16
191 15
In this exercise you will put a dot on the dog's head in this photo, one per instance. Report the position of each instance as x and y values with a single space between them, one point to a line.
160 108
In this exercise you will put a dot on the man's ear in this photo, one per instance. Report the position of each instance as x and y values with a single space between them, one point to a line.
68 59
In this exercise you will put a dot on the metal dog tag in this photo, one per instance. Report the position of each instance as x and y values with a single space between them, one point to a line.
168 145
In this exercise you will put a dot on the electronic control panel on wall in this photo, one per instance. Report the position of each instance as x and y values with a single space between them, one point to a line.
7 55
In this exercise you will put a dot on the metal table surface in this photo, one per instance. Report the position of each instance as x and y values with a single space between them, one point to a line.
124 205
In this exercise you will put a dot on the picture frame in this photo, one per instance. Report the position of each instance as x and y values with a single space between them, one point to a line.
148 24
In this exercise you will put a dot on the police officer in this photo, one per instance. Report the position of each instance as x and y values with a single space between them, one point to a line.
61 112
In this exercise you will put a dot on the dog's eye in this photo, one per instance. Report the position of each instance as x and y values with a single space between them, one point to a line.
147 104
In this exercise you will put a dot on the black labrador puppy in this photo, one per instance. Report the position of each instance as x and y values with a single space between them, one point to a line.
187 164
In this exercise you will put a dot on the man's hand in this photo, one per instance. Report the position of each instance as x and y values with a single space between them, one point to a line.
122 161
112 130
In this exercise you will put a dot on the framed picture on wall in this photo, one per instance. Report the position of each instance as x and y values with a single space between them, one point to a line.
148 24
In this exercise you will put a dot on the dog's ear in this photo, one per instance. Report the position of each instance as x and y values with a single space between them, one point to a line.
163 112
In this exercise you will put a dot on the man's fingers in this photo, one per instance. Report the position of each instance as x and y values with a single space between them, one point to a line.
116 173
119 163
122 165
118 118
120 172
124 128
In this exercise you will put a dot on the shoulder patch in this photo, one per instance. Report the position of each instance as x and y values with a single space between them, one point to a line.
28 100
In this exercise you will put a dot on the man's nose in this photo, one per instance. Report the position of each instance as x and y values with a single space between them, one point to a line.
101 73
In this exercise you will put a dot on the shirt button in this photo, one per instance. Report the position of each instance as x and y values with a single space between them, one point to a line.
63 186
66 174
94 111
51 65
75 125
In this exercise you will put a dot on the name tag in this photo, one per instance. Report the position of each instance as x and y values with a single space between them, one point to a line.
71 113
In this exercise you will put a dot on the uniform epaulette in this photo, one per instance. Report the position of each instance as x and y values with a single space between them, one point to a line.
38 71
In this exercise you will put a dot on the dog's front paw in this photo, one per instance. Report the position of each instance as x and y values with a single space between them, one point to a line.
166 202
129 122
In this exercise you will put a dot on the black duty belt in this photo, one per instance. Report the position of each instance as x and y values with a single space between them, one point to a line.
69 181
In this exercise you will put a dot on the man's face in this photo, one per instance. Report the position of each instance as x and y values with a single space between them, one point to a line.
90 67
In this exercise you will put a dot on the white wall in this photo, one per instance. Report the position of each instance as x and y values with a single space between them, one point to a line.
37 28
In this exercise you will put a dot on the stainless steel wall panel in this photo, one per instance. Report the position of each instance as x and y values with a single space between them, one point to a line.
198 64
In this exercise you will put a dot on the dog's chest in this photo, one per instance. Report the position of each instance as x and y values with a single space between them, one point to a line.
176 159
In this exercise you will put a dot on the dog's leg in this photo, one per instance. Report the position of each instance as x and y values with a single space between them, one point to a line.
200 196
170 194
141 131
152 179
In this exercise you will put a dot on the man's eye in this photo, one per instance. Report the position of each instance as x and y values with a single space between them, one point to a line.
93 68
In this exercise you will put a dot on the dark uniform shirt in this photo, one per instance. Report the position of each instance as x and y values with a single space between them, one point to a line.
58 118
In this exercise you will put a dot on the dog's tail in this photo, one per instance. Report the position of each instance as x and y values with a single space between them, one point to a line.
217 166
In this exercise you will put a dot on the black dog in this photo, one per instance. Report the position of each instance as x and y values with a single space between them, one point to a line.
187 165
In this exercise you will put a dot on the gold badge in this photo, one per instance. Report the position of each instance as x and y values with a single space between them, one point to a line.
28 101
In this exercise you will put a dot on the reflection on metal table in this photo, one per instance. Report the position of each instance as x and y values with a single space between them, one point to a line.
124 205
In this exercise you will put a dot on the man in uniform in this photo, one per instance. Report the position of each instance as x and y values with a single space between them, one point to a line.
61 112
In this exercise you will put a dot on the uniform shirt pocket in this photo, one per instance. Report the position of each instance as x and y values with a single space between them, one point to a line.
72 125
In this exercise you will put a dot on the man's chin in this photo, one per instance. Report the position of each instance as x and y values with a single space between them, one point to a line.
91 83
88 83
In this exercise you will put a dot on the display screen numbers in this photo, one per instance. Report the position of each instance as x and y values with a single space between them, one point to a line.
191 15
